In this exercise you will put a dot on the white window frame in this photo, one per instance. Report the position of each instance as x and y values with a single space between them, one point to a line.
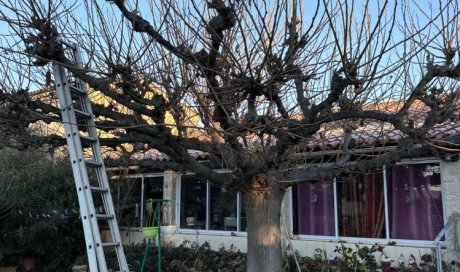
387 239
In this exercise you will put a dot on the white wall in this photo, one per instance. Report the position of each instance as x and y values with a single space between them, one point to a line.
134 236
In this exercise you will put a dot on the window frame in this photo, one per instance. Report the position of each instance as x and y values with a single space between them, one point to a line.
387 239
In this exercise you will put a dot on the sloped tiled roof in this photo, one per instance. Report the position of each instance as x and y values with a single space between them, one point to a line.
158 156
367 133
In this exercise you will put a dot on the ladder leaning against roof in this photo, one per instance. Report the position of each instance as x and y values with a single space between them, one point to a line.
88 168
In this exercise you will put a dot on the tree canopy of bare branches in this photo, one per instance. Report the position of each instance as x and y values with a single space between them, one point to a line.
276 91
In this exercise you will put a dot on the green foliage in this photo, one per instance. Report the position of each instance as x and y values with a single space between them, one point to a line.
358 259
42 220
191 258
186 258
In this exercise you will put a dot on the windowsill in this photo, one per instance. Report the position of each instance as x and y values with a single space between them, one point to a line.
212 232
397 242
165 230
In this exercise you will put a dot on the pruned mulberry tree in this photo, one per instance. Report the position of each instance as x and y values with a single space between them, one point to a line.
275 91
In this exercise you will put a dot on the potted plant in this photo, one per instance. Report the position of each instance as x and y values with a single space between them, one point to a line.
426 262
190 215
385 260
334 260
318 254
412 263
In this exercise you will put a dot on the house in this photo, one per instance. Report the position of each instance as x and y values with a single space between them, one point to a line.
403 206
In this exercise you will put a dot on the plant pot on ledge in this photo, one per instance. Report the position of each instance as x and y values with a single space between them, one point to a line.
191 220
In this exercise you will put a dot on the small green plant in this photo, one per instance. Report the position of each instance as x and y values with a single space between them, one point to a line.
367 255
190 211
358 259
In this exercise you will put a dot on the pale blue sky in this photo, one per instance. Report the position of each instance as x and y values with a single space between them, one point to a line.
420 13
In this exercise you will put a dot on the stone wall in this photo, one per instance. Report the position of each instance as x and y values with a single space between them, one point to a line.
450 181
169 192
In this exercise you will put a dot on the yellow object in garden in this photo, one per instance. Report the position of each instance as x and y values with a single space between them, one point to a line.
150 232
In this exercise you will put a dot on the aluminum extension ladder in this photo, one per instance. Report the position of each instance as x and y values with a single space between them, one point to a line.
89 171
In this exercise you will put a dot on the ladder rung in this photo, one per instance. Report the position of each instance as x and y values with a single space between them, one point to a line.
82 114
104 216
77 91
92 163
98 189
86 139
110 244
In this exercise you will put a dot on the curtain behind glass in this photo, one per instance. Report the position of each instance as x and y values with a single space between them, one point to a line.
315 208
416 204
361 206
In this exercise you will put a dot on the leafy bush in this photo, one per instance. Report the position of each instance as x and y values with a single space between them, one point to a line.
185 257
191 258
42 219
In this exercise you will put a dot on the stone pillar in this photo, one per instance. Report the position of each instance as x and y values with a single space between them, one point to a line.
169 192
450 182
286 219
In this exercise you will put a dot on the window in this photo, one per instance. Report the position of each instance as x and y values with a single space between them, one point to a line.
403 203
315 211
207 207
223 209
361 206
131 193
415 201
128 201
193 203
153 187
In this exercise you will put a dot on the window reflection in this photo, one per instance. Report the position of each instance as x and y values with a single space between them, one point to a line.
223 209
414 204
193 203
415 201
128 201
315 212
243 218
213 210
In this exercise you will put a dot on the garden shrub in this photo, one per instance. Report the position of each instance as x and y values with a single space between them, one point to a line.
42 220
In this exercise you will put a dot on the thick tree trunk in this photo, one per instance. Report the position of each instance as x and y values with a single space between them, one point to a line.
263 206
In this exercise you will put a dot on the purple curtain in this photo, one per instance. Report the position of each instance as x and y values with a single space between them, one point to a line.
315 211
415 201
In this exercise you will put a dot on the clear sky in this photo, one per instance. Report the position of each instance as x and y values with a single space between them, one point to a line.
420 11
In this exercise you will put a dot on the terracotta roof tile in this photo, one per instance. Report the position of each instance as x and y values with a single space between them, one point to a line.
158 156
